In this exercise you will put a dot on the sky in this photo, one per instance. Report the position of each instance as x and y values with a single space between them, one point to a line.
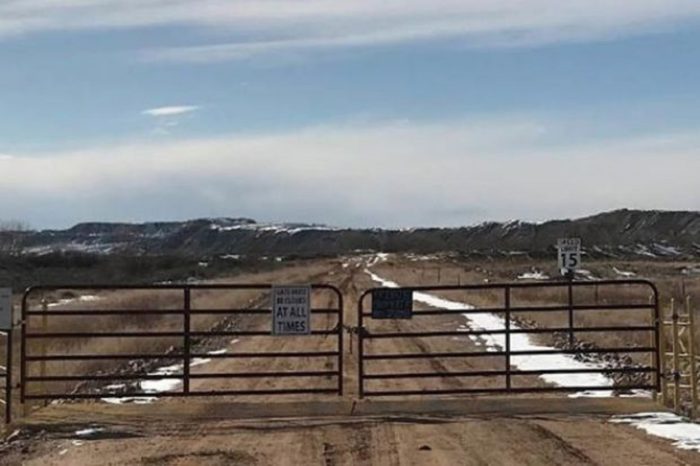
389 113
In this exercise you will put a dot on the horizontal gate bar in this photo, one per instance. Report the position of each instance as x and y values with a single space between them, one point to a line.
86 357
254 311
105 312
66 378
171 286
475 354
258 333
503 390
514 372
95 396
104 335
457 333
252 375
253 333
520 285
175 312
492 310
291 354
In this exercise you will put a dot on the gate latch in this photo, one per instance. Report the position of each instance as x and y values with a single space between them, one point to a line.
355 330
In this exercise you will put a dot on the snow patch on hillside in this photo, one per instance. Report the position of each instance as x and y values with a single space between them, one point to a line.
666 250
283 228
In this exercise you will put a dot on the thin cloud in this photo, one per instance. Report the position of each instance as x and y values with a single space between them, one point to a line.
280 25
383 174
170 111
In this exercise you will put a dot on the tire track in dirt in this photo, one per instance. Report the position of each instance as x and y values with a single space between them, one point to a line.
437 365
545 434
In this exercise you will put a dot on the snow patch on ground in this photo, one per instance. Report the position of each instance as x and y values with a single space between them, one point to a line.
416 258
171 379
533 275
82 299
586 274
377 258
88 432
623 273
684 434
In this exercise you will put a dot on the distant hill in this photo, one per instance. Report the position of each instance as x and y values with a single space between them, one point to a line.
616 234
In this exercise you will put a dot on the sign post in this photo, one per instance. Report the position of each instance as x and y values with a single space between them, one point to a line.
569 259
291 310
390 303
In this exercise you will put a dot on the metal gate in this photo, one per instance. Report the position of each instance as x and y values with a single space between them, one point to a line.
75 347
496 348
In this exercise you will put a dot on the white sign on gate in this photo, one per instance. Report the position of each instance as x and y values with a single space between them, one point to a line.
291 310
5 308
569 254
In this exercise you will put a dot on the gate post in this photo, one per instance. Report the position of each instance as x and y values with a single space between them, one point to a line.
186 356
23 352
360 349
507 348
693 362
662 350
44 327
8 376
341 355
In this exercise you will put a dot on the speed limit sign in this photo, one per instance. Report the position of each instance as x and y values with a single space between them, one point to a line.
569 254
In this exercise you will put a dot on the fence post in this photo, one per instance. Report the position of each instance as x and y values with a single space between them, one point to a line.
186 365
676 359
692 362
507 348
653 344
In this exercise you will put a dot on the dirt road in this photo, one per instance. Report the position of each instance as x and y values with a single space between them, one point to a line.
330 430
